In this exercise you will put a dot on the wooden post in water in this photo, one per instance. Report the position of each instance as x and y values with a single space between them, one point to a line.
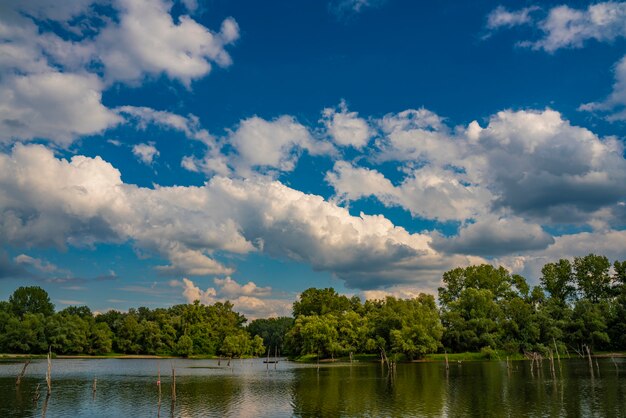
159 381
447 364
590 362
173 384
93 388
508 367
49 372
556 349
36 395
19 376
45 406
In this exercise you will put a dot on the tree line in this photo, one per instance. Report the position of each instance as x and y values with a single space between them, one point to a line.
480 308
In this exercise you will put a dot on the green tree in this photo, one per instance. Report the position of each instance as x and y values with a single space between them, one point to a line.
592 277
184 347
322 301
26 335
589 324
558 280
472 302
272 331
31 299
100 338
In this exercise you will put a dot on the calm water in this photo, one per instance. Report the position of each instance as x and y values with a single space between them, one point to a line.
127 388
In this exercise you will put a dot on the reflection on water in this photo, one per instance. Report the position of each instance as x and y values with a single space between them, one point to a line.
127 387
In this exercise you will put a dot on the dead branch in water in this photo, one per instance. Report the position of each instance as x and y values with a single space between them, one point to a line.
19 376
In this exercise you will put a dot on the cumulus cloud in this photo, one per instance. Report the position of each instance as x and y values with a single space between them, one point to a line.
566 27
230 288
37 263
258 145
614 106
144 116
346 128
145 152
51 86
428 192
52 105
504 182
147 41
537 164
501 17
612 244
48 201
493 237
417 136
249 299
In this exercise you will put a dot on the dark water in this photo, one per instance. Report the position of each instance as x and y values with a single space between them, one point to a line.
127 388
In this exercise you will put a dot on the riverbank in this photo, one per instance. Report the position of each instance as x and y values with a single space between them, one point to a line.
441 357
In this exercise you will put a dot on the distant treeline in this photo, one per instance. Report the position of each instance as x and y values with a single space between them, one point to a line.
481 308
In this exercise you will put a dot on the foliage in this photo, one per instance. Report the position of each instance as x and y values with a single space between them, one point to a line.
33 300
482 308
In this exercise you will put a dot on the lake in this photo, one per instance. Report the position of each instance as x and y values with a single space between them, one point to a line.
127 388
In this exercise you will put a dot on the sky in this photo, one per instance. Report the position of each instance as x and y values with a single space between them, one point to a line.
156 152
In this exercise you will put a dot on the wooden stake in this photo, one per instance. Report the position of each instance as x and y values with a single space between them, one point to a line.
49 372
36 395
590 362
93 388
19 376
173 384
556 349
159 381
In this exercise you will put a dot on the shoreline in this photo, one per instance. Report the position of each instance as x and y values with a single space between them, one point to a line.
436 358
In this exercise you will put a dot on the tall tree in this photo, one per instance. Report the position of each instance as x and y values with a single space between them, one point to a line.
321 301
558 280
31 299
592 277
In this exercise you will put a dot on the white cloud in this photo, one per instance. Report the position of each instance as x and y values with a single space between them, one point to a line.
570 28
230 288
258 145
248 299
501 17
145 152
417 136
538 165
144 116
611 244
522 171
37 263
147 41
489 237
47 201
191 292
51 88
427 192
615 104
566 27
346 128
52 105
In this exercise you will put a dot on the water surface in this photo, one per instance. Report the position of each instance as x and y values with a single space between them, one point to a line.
127 388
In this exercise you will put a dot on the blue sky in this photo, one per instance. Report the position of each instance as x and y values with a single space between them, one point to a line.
156 152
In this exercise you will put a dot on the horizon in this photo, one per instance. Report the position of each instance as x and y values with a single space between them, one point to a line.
153 153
